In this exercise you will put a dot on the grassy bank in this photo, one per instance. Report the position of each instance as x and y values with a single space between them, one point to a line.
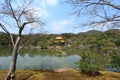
67 75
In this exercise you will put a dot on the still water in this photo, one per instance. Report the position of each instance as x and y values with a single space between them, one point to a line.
40 62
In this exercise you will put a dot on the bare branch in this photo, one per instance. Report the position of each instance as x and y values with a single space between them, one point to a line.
11 37
101 12
26 41
20 16
106 2
24 11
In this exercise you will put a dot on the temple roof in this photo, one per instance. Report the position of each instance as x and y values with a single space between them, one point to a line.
59 37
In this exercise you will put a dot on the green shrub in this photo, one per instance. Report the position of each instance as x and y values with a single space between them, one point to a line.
91 62
115 60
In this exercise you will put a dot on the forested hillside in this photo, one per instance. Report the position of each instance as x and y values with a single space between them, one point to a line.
103 42
107 41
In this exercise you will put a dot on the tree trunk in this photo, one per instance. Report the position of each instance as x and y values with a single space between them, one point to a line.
12 69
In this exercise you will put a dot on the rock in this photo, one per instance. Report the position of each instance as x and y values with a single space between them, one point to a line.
59 70
24 77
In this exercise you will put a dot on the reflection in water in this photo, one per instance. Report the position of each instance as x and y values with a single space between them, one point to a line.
41 62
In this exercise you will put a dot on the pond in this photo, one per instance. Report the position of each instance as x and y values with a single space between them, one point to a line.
39 60
36 59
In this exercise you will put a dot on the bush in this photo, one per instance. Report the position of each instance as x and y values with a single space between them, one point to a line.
91 62
115 60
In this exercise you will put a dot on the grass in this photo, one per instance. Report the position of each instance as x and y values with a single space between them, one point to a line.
67 75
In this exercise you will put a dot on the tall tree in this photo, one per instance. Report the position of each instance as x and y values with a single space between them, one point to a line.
100 13
18 17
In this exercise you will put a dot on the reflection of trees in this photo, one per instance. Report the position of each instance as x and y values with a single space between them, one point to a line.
0 66
41 52
5 51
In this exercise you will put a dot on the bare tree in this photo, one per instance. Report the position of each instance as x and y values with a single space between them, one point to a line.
16 16
100 13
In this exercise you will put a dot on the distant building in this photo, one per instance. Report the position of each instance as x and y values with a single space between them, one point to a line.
59 39
59 42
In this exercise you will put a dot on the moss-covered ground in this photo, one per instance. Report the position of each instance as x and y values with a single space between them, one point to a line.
67 75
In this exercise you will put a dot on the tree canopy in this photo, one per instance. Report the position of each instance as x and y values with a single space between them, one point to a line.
103 13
